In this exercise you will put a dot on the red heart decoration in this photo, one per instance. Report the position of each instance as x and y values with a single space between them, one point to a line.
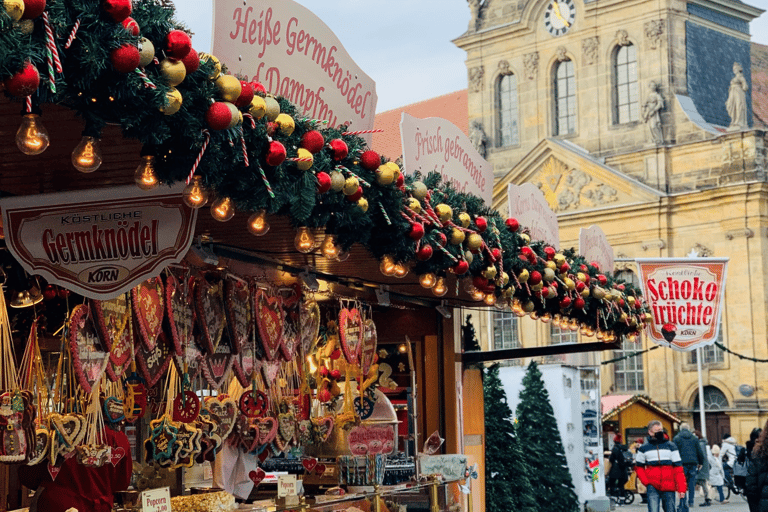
351 333
320 469
179 305
270 320
87 356
368 348
149 309
53 471
117 454
209 306
153 363
309 464
238 311
216 365
246 363
120 356
111 315
257 475
264 454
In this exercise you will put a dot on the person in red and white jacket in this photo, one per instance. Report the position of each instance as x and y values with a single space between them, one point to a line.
659 468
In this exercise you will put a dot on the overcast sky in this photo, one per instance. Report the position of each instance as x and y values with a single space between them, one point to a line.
404 45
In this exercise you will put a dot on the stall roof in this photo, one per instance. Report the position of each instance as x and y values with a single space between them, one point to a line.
612 405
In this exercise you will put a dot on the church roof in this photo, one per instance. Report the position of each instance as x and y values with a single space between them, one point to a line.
453 107
759 56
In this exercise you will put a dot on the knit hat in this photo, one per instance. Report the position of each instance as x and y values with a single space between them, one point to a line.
617 438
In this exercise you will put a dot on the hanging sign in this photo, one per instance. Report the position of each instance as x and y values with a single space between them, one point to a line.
594 246
294 54
156 500
434 144
99 243
686 299
528 205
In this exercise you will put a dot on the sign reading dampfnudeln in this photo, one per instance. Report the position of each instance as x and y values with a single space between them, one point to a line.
99 243
686 298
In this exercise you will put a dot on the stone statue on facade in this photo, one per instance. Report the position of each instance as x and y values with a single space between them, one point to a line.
652 112
478 138
474 9
737 100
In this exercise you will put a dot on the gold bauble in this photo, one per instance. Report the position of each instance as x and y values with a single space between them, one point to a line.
146 52
457 236
474 242
229 87
414 204
273 108
586 292
631 300
548 275
464 219
258 107
394 168
384 175
569 283
581 276
559 259
504 279
598 292
550 265
528 306
173 102
286 124
237 116
444 212
523 276
337 181
525 238
362 203
469 257
14 8
350 186
304 159
490 272
216 71
419 190
173 71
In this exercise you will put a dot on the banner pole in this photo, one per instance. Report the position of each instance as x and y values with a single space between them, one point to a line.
701 395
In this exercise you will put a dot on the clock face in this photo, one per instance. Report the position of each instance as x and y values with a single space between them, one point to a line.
559 16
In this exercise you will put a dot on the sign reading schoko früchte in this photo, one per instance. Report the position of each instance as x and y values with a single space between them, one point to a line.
99 243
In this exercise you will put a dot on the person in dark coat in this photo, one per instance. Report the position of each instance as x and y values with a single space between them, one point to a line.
692 458
619 472
702 477
750 488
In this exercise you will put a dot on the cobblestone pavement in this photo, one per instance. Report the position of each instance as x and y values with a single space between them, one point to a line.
736 504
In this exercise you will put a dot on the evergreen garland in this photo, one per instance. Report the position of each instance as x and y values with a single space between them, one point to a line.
508 473
540 440
97 92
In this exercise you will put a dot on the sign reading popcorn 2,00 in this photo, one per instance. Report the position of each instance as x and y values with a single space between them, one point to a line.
98 243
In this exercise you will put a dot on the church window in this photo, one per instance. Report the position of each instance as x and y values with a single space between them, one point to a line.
625 95
711 354
628 373
505 333
565 98
507 133
559 335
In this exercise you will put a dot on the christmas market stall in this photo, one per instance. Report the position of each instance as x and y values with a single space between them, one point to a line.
290 346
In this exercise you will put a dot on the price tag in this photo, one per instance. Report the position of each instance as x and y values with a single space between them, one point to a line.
156 500
287 486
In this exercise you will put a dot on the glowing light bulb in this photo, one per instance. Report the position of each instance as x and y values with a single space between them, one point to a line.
477 295
305 240
546 317
32 137
257 223
427 280
401 270
573 325
329 247
145 176
440 288
86 157
490 299
387 266
195 195
222 209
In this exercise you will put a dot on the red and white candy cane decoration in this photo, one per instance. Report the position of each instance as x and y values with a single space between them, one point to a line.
245 149
362 132
200 155
29 104
251 119
72 35
51 43
144 78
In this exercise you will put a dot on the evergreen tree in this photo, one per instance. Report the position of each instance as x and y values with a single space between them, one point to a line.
507 484
540 440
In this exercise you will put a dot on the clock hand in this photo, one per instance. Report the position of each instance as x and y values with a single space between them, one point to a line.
558 15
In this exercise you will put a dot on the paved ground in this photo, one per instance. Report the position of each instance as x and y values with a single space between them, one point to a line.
736 504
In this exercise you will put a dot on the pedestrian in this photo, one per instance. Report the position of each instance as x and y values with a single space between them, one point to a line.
702 477
639 487
692 458
728 457
659 467
716 474
620 467
753 495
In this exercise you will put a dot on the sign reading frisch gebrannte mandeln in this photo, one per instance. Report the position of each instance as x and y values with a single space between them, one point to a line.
686 298
99 243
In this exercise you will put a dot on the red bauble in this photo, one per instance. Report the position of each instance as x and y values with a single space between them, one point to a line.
417 231
460 268
275 154
479 282
583 268
564 268
312 141
495 253
118 10
356 196
621 303
131 26
177 44
339 149
63 293
481 224
550 252
323 396
258 87
323 182
638 304
33 9
535 278
594 264
370 160
527 252
25 82
620 287
565 302
400 181
246 94
49 293
512 224
126 58
191 61
335 374
442 239
579 303
580 286
219 116
602 279
424 253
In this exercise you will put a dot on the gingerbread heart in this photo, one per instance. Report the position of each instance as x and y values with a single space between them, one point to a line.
351 333
209 307
286 429
270 369
245 364
88 358
323 428
193 358
121 356
310 326
291 334
270 321
69 432
154 362
114 410
179 306
149 310
225 411
112 316
216 365
267 427
237 306
368 349
42 444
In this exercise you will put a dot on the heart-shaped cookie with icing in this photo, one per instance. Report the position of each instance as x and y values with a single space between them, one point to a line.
149 309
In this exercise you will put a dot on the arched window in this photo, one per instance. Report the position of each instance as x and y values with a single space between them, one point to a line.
565 98
507 133
714 400
625 95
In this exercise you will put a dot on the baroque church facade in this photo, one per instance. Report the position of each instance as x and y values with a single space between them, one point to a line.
637 116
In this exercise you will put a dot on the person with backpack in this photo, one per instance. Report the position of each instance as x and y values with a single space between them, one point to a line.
621 465
692 458
702 477
752 494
